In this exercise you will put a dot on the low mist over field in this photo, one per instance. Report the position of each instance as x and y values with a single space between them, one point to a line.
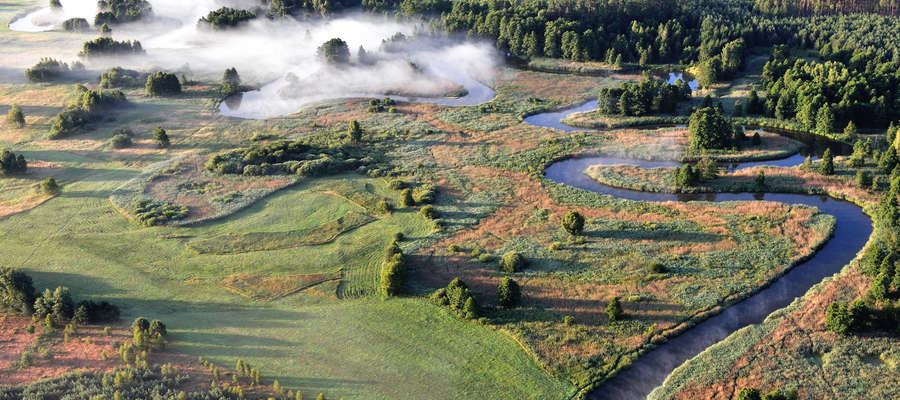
280 55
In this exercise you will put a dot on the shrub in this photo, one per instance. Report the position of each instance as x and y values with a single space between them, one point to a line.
657 268
453 248
429 212
749 394
17 292
573 223
760 179
512 262
485 258
354 131
756 140
162 84
76 25
569 320
49 186
392 276
425 194
161 137
508 293
12 163
406 198
15 116
384 206
121 141
614 309
46 70
98 312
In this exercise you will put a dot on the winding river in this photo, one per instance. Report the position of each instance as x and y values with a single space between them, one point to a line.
651 369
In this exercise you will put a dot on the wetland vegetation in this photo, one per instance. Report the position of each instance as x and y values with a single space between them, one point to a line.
387 202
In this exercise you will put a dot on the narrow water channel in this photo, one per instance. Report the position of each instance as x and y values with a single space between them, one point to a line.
651 369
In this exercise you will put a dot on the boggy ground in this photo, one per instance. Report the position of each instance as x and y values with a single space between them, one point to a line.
337 336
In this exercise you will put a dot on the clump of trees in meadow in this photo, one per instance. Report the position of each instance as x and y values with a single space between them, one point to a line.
393 269
49 70
647 97
162 84
335 51
89 106
225 18
12 163
76 25
118 77
457 298
105 46
231 82
55 307
15 117
152 213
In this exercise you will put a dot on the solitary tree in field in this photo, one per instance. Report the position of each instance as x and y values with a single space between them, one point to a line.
161 137
15 116
512 262
508 293
827 166
573 223
614 309
163 84
837 319
354 131
231 81
49 186
334 51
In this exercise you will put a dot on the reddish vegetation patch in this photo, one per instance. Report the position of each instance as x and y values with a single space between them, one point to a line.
77 354
792 338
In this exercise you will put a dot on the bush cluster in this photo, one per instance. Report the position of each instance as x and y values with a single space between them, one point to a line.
12 163
46 70
118 77
457 298
392 270
225 18
151 213
121 11
162 84
88 107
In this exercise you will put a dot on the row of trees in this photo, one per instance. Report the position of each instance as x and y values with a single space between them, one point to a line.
646 97
393 269
56 307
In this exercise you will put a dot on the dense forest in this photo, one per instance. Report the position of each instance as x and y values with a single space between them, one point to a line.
810 7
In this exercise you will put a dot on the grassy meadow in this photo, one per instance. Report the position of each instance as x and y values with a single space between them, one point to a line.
282 272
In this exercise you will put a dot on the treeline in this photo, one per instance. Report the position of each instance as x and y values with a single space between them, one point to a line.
88 106
54 307
283 8
646 97
125 383
810 7
225 18
858 86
